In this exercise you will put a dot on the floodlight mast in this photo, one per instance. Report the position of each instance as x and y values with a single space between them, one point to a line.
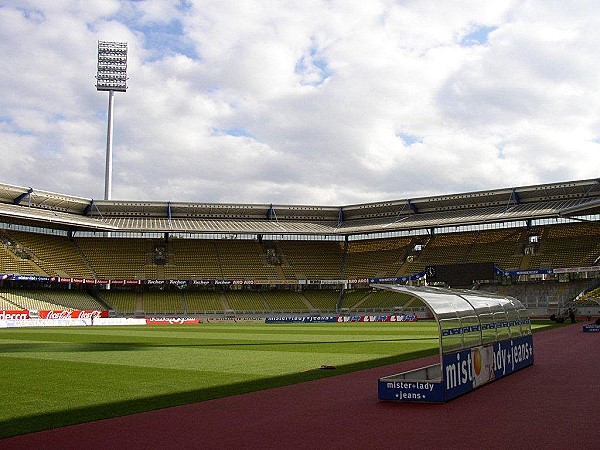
111 77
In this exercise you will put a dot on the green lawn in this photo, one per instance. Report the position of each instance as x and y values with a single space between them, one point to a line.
53 377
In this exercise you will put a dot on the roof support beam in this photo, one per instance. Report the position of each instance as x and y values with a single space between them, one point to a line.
412 206
19 199
513 200
271 215
88 209
341 217
590 189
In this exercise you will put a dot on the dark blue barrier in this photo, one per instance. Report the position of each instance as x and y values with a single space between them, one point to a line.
461 372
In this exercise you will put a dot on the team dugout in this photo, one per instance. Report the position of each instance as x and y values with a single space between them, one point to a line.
481 337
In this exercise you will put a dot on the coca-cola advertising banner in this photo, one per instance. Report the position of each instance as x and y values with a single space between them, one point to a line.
77 314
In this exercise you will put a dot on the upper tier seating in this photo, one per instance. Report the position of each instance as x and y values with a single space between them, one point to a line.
556 246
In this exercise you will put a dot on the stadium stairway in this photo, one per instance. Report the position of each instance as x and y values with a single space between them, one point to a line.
86 261
96 297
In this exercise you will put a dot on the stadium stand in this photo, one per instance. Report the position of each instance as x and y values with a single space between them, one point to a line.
376 257
503 247
6 304
35 300
286 301
384 301
244 259
570 245
353 297
71 299
16 259
322 299
246 301
193 259
541 294
163 302
311 259
202 302
288 258
119 257
123 302
55 256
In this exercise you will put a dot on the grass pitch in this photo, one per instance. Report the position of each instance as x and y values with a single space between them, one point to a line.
55 377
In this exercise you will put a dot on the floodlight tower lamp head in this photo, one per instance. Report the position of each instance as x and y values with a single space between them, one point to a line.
112 66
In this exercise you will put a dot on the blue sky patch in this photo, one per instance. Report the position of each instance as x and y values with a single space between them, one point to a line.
32 14
168 38
236 132
500 148
409 139
312 67
162 38
478 36
7 123
184 6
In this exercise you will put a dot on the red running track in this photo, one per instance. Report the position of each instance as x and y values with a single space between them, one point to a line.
553 404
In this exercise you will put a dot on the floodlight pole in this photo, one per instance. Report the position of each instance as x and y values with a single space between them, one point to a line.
109 147
112 76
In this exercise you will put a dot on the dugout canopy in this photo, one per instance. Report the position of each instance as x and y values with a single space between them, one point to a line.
468 318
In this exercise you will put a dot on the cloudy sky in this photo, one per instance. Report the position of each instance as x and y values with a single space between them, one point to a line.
323 102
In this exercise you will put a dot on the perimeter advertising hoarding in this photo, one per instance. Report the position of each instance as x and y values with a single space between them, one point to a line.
172 321
342 319
14 314
25 314
462 371
301 319
70 314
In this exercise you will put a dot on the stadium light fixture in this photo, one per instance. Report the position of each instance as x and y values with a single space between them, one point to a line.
111 77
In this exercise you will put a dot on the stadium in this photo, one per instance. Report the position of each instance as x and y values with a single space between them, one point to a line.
237 265
354 323
539 243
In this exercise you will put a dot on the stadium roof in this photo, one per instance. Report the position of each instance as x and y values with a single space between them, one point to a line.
28 206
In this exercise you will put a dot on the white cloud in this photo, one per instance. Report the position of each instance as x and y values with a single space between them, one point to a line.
316 102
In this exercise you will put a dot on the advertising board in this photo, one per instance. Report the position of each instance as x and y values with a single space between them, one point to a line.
461 372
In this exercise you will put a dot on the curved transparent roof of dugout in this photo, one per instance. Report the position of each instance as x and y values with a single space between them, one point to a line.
468 318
